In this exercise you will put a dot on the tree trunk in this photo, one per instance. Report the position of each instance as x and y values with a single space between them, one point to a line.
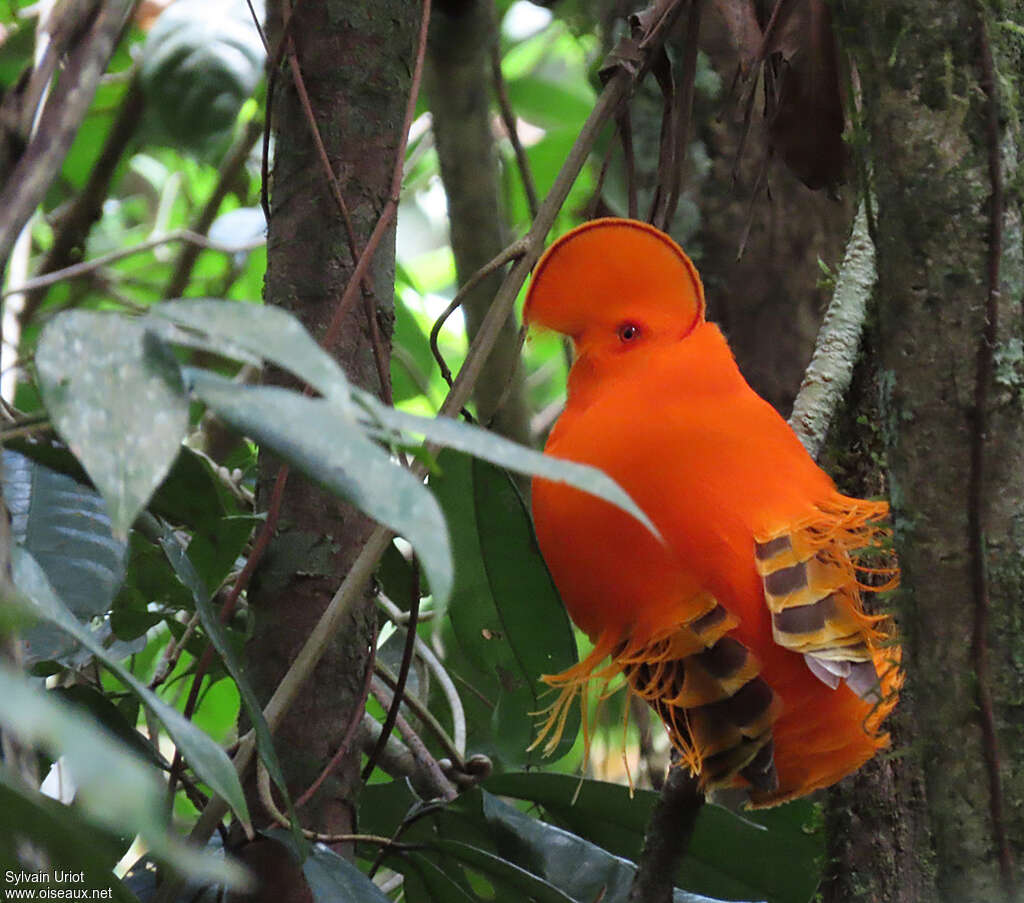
356 59
944 818
458 80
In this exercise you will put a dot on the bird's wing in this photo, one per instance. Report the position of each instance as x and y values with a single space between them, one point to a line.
813 585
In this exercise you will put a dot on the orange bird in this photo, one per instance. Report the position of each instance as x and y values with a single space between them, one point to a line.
743 624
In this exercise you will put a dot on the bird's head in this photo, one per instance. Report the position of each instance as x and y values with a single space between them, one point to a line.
614 285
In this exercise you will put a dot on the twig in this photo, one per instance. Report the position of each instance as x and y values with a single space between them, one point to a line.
87 267
379 351
508 117
425 762
424 714
830 371
350 731
668 836
391 207
683 110
403 671
438 670
512 252
977 477
318 141
267 799
625 129
400 761
61 118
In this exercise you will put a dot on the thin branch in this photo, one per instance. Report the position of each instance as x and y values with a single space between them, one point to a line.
830 371
87 267
625 124
266 796
350 731
440 785
683 113
437 669
508 117
513 252
403 671
66 108
401 761
424 714
977 479
391 207
318 141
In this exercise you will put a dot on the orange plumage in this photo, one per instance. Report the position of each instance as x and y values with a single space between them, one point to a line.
743 626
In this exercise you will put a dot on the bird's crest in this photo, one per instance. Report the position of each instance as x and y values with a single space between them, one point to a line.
612 269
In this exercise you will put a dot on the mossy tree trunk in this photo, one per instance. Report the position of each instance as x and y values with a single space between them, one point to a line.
943 818
356 58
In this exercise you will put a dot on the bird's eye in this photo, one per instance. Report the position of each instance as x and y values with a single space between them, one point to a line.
628 332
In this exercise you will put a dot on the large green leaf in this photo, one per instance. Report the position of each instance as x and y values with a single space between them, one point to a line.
115 396
427 881
332 879
66 528
70 841
206 757
772 855
581 869
116 788
269 333
314 436
200 62
507 619
498 450
521 857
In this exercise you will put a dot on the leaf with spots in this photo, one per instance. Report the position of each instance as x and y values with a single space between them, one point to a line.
114 394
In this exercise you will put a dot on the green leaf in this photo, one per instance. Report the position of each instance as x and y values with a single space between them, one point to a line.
507 618
781 849
200 62
70 841
510 879
521 857
426 882
314 435
581 869
115 788
332 879
267 333
216 553
88 699
66 528
498 450
411 359
116 399
206 757
193 495
217 634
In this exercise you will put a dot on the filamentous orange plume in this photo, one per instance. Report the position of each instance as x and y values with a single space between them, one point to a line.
743 627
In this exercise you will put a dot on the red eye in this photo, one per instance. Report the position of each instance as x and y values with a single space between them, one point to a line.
628 332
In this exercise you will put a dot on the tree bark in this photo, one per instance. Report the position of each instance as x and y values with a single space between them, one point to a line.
356 59
943 819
